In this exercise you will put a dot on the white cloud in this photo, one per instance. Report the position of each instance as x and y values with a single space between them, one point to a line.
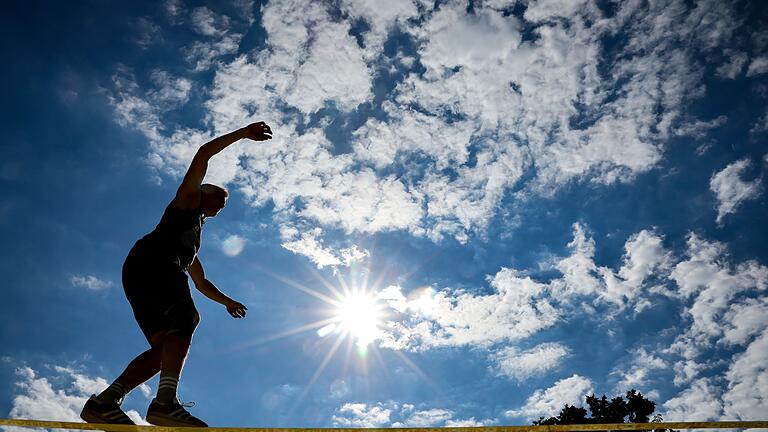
549 402
699 129
699 402
40 398
361 415
470 422
454 38
636 374
206 22
312 59
547 9
90 282
715 293
245 7
758 66
202 54
489 108
333 72
730 190
517 365
579 269
713 284
515 310
380 19
519 306
644 254
747 394
644 257
307 244
171 91
172 8
425 418
733 67
398 415
132 109
744 320
217 31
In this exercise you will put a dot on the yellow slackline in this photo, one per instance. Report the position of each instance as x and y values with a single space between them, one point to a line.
546 428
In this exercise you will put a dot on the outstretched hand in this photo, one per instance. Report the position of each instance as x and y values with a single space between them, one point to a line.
236 309
258 131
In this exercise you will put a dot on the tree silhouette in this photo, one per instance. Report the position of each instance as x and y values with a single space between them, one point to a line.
635 409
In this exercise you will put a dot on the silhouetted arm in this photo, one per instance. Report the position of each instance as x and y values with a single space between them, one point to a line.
236 309
188 194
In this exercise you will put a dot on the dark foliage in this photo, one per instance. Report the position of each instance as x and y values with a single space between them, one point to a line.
634 409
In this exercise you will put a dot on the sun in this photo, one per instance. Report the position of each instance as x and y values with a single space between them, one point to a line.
359 316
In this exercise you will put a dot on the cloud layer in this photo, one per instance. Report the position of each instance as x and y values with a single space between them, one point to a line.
486 106
58 396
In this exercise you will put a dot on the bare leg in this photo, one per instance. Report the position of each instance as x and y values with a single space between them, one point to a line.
165 409
140 369
175 349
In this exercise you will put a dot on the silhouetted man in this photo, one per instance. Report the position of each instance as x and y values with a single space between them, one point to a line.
156 286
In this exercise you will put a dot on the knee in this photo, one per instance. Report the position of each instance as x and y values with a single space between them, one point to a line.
184 320
156 340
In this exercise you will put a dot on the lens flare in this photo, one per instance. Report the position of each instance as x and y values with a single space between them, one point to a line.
233 245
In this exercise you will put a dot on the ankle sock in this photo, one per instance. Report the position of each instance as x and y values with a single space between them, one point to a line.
113 394
166 391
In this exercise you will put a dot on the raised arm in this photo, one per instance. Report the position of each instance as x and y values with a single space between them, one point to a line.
236 309
188 194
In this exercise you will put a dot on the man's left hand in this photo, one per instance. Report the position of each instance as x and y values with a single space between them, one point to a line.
236 309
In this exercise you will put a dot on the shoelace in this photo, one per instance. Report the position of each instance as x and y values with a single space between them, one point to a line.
189 404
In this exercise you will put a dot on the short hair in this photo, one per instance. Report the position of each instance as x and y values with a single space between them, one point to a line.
212 189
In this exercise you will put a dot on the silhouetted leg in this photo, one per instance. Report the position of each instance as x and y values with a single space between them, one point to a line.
174 354
139 370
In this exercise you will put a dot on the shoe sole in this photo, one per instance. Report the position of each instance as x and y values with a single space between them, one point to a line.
163 420
90 418
93 418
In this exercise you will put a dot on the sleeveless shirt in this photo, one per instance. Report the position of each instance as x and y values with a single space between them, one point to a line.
176 239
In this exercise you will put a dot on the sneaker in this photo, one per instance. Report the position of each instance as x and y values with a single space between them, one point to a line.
172 414
96 411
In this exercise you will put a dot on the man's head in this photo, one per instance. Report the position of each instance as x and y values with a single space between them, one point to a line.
213 200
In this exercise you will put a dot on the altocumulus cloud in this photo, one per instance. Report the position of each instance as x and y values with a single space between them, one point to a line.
538 105
90 282
57 395
549 402
520 306
730 190
720 303
520 365
394 414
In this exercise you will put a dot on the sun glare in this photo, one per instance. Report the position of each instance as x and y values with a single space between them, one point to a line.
358 315
355 319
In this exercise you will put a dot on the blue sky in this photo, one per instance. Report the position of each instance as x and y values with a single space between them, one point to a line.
541 198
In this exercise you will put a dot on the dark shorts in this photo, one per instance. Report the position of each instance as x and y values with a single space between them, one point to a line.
159 296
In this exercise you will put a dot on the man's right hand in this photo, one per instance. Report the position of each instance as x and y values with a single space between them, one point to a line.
258 131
